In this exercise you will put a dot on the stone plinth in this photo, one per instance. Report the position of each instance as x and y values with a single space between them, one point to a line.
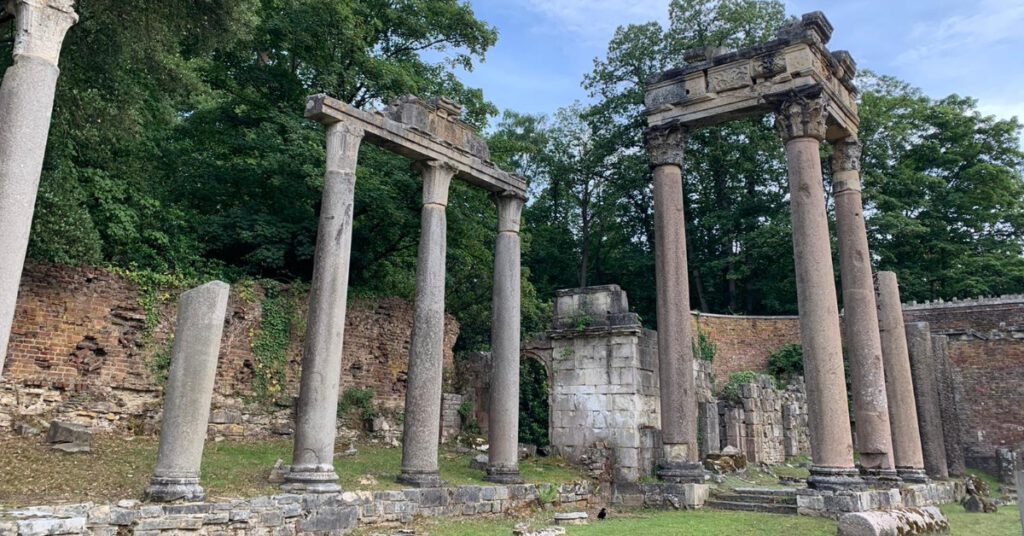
189 393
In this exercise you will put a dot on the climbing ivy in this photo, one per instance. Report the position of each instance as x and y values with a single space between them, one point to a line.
280 314
731 391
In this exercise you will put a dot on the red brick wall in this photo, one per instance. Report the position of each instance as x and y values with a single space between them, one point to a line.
80 330
746 342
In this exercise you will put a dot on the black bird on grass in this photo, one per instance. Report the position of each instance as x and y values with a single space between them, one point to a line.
602 514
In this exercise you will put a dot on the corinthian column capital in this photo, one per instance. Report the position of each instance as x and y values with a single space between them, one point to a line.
666 145
800 117
846 154
510 209
40 26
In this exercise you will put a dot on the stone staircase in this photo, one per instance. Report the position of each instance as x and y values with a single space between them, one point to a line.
767 500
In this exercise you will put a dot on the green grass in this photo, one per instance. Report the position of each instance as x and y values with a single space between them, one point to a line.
120 468
1005 522
703 522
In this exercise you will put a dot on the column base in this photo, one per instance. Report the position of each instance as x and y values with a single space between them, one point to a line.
881 478
421 479
681 472
311 479
167 489
913 475
835 479
500 474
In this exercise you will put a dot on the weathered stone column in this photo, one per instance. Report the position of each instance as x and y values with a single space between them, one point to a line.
665 148
860 322
317 412
949 407
926 395
503 430
188 393
26 104
426 351
1019 478
899 385
801 123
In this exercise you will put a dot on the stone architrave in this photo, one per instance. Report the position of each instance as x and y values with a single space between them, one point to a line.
948 388
312 467
899 384
426 350
801 122
926 395
665 148
503 430
26 106
189 393
860 322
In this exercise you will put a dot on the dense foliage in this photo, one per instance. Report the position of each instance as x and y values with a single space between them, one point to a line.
178 146
786 362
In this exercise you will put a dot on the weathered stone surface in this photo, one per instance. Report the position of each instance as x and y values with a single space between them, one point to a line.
189 393
64 433
571 518
896 522
926 395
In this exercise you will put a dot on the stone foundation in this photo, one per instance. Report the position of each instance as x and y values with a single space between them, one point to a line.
661 495
282 515
811 502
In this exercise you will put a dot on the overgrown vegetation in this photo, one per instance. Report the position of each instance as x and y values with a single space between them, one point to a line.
786 363
534 411
731 390
467 416
281 313
704 347
358 403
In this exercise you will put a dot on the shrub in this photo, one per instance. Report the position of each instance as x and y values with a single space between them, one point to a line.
786 363
360 401
704 347
731 391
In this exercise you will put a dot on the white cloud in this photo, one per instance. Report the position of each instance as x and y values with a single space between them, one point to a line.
992 22
595 20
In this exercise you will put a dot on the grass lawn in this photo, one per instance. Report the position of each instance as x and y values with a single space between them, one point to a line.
120 468
1005 522
703 522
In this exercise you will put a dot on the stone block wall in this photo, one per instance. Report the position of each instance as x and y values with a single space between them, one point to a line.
79 352
767 424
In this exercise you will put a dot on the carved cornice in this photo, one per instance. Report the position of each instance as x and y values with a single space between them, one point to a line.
40 26
802 117
666 145
846 154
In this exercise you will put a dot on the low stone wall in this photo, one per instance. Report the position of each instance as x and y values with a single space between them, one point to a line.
282 515
812 502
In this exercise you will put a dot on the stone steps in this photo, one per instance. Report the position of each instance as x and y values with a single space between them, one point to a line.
772 501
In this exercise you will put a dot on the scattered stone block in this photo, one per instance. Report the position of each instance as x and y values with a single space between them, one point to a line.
571 518
896 522
278 471
479 463
69 437
527 451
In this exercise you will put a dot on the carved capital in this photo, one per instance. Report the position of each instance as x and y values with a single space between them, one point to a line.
437 177
846 154
343 142
40 26
510 210
666 145
802 117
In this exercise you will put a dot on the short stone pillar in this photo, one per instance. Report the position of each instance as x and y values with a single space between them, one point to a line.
926 395
312 467
860 322
899 384
801 122
503 430
949 407
426 350
665 148
26 104
189 393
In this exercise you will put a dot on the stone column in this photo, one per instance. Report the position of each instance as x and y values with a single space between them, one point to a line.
189 393
801 123
503 424
1019 478
899 385
926 395
949 407
860 322
26 104
316 416
665 148
426 350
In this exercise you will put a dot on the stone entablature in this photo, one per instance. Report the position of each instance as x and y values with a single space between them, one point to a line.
717 88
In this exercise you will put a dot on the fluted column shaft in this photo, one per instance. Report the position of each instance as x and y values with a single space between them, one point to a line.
426 351
899 384
503 428
317 412
802 125
26 105
665 148
860 321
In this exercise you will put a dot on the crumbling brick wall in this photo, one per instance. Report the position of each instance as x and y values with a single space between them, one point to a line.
746 342
78 351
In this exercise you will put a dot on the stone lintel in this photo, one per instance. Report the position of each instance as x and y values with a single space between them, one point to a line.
753 80
421 130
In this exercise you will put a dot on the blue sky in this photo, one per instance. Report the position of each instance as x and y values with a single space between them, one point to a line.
970 47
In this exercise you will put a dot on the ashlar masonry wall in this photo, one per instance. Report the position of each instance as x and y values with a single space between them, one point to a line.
79 351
